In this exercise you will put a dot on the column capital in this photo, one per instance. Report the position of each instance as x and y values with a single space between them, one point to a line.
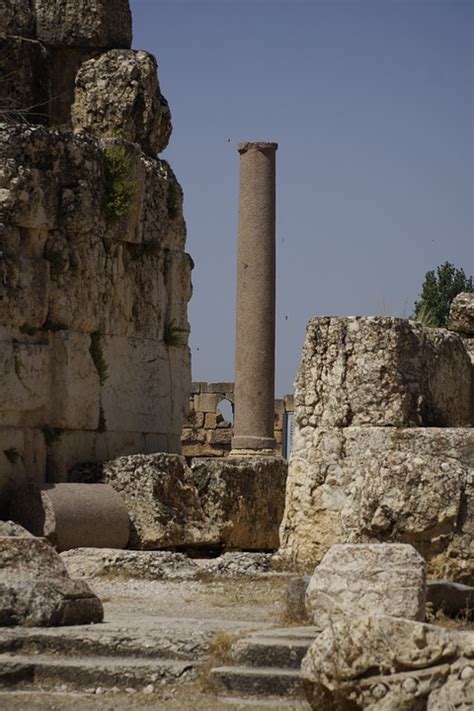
256 146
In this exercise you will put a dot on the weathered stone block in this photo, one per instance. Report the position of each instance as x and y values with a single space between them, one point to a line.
222 437
84 23
381 372
136 396
374 484
384 663
207 402
118 95
461 314
75 382
380 578
177 273
35 589
24 383
242 499
163 207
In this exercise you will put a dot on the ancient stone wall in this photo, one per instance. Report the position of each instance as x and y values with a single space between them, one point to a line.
94 279
384 443
206 433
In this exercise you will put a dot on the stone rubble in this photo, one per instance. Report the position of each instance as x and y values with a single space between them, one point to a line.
36 590
353 580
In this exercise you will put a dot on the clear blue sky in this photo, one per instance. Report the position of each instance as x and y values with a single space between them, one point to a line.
371 102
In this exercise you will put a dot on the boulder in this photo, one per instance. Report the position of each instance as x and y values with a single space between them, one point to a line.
359 371
84 23
383 484
461 314
118 96
377 578
384 663
231 502
9 528
36 590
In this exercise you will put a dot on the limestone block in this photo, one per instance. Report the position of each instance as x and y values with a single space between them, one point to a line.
180 377
26 288
222 388
136 396
221 437
374 484
72 515
23 70
242 499
71 448
461 314
51 179
163 219
75 382
17 19
207 402
84 23
178 267
162 503
9 528
376 578
36 590
382 663
381 372
118 96
24 383
127 227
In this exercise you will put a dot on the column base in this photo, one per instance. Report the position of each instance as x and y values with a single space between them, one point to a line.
253 444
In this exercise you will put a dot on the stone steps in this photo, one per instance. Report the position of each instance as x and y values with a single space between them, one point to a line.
126 672
266 669
55 642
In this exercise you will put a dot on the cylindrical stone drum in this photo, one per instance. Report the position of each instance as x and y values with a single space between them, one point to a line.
74 515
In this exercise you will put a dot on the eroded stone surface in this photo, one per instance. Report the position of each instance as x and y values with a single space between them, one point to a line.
118 96
236 502
461 314
380 662
375 484
35 588
84 23
381 372
378 578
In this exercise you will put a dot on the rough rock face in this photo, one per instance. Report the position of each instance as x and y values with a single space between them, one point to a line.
87 303
382 663
84 23
369 484
363 469
132 108
381 372
235 502
362 579
461 314
36 590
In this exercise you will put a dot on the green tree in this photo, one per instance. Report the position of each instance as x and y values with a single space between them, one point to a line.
438 291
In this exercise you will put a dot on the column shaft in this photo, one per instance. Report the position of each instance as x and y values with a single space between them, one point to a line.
255 330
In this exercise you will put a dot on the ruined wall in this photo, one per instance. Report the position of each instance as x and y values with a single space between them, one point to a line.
384 443
94 279
206 433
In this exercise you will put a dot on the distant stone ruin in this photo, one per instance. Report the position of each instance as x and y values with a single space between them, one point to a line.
94 279
384 440
206 432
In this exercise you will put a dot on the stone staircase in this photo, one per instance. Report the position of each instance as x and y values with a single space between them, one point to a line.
265 669
48 659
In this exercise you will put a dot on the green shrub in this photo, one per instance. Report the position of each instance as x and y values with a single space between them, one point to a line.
51 434
172 335
119 188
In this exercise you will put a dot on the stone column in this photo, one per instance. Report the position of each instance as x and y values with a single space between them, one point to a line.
255 331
